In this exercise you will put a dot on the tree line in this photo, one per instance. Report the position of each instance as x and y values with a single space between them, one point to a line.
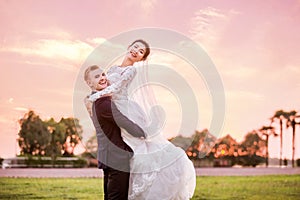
48 137
52 138
254 148
202 145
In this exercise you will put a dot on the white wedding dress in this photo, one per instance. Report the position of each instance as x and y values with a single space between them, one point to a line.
159 170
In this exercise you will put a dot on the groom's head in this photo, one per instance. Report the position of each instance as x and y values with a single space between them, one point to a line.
95 77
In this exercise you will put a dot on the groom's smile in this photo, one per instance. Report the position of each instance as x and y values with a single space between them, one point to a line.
103 81
97 80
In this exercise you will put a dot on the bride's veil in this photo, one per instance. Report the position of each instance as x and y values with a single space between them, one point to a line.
141 91
148 158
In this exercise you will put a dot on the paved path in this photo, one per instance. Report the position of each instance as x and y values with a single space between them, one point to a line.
94 172
246 171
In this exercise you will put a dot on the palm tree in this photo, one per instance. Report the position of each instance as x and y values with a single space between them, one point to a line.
291 122
296 123
267 131
280 115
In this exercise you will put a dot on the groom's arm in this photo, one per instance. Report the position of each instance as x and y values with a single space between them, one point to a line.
111 112
126 123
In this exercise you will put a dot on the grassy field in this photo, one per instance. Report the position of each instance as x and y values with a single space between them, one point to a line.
226 187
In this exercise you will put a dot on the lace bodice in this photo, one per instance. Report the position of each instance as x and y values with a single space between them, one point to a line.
120 78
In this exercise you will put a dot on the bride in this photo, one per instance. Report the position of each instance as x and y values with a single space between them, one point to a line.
158 169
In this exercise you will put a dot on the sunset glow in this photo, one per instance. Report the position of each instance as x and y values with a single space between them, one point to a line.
254 45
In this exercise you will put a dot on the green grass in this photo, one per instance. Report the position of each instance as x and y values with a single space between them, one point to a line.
225 187
248 187
51 188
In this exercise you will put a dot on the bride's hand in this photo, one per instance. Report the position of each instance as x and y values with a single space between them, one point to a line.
88 105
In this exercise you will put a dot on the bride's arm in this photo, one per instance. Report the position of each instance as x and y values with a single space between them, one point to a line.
126 76
88 104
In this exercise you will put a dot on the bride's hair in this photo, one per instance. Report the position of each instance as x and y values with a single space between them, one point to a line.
147 52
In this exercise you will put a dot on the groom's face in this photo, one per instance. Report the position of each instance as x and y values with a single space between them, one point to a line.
97 79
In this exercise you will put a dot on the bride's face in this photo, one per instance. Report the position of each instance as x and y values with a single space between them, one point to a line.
97 80
136 52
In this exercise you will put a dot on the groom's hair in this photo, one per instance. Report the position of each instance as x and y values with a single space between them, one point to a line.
88 70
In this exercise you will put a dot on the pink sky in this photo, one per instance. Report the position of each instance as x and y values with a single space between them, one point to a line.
255 46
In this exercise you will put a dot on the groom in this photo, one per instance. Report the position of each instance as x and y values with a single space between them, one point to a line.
113 153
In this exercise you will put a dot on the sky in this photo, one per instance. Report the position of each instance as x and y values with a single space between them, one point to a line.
254 46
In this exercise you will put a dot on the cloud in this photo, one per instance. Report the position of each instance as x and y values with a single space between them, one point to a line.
208 24
21 109
5 120
210 12
62 53
148 5
52 32
96 41
242 96
241 72
294 69
62 92
52 48
10 100
162 58
145 7
53 64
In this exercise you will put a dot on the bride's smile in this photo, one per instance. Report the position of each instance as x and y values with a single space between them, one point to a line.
135 53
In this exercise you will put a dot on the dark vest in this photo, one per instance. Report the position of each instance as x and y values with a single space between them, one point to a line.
112 152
